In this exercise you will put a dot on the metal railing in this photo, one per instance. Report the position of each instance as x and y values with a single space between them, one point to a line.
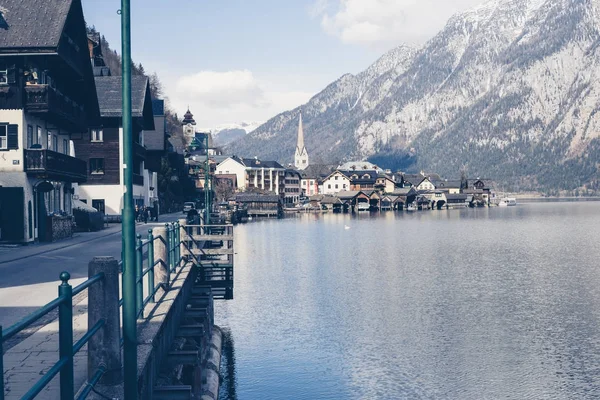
66 348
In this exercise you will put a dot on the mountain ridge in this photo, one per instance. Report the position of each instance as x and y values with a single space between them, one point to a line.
507 89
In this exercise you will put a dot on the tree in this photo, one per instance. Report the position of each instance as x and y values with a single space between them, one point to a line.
223 189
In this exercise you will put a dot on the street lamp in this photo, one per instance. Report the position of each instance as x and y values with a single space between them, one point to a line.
128 229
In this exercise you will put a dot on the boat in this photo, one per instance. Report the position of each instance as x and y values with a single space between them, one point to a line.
411 207
507 201
363 206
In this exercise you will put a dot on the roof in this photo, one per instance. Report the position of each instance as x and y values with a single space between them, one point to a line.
372 176
403 191
23 27
188 118
330 200
256 163
348 194
440 184
109 98
358 166
256 198
315 171
413 179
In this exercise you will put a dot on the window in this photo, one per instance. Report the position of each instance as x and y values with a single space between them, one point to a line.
96 166
66 146
336 177
3 137
97 135
55 143
336 186
3 75
344 186
29 136
328 186
49 147
39 136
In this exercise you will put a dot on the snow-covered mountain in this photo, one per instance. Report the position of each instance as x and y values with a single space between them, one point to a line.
226 133
508 90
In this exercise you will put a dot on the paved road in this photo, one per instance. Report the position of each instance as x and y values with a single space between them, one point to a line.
29 283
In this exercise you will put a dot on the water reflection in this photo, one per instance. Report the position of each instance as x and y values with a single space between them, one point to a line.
457 304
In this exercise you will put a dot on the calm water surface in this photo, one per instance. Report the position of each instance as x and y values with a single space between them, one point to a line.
498 303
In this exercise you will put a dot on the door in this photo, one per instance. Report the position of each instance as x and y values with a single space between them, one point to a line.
99 205
12 214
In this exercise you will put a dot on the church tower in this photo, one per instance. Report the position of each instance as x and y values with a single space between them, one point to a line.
189 132
301 156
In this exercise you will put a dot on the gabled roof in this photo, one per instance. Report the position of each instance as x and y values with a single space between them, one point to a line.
330 200
413 179
317 171
348 194
446 184
361 176
256 163
110 99
24 30
404 191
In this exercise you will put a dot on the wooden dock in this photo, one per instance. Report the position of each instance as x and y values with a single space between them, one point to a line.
210 247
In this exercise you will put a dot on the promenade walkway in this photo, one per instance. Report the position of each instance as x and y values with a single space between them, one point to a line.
31 354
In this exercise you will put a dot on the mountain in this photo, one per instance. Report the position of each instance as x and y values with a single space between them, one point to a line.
508 90
227 133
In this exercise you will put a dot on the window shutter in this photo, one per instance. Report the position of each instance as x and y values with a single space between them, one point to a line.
11 75
13 137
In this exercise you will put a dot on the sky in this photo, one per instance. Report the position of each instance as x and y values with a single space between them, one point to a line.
248 60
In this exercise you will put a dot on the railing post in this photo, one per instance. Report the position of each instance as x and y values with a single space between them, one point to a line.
1 366
139 265
103 304
172 246
65 336
168 244
151 265
183 238
177 245
161 254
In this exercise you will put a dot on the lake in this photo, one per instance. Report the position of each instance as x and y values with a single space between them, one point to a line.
481 303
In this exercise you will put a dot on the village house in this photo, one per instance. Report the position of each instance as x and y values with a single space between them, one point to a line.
292 187
449 186
363 180
385 184
252 173
313 177
47 96
336 182
101 147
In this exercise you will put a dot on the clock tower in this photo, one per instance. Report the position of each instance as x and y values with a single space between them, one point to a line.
189 130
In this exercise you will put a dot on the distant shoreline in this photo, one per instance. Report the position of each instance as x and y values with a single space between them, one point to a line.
541 199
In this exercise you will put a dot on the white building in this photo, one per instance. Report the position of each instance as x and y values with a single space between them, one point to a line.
336 182
252 173
47 97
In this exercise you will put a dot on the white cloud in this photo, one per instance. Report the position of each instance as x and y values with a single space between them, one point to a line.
221 89
216 98
386 23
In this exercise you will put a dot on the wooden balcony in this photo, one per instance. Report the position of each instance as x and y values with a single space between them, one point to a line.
139 151
55 107
48 164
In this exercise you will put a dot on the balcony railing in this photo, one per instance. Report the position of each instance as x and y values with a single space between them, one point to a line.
138 179
49 164
59 108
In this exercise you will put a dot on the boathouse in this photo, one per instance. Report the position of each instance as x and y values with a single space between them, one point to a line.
261 205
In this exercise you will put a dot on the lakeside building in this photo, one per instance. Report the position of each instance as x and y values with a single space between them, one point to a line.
47 97
313 177
252 173
101 147
292 188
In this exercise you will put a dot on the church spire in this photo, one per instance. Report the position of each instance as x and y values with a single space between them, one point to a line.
301 155
300 145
